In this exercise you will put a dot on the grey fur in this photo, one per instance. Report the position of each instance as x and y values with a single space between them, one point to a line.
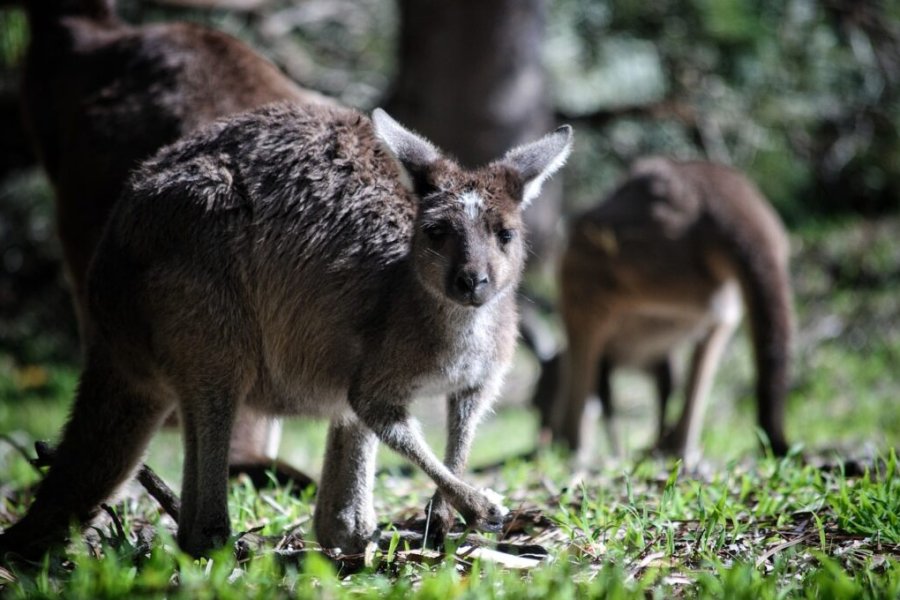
276 260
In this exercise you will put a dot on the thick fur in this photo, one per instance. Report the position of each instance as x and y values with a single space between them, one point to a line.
659 264
290 261
100 96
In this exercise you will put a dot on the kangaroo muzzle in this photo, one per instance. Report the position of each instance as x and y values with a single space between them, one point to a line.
470 287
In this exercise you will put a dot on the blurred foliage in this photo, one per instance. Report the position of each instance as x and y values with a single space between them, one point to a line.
343 48
801 94
37 321
804 95
14 38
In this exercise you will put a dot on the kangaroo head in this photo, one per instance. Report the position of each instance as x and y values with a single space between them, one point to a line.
469 244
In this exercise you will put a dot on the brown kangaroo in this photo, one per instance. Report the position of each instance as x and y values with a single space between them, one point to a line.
303 260
99 96
662 262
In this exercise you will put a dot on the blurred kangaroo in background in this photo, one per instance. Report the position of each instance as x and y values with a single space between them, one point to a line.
99 96
663 262
297 260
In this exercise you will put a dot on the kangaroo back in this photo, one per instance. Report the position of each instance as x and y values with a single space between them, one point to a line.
100 96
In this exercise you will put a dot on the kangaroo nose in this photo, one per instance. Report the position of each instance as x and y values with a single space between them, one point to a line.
470 282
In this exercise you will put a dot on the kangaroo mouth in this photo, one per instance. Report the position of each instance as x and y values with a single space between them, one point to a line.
468 299
471 302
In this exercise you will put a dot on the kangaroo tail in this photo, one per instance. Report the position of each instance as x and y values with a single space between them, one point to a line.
753 237
107 432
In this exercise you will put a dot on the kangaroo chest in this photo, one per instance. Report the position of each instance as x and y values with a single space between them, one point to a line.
465 360
651 331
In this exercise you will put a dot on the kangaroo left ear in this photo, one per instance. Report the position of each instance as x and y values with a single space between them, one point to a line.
537 161
413 152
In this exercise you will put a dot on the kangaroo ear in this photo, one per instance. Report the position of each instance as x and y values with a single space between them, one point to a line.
537 161
413 152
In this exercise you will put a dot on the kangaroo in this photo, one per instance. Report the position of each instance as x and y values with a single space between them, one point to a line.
100 96
297 260
666 261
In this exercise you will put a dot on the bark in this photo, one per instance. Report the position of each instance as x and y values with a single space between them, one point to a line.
471 79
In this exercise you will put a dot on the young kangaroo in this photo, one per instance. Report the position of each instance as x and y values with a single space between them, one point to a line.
662 262
297 260
100 96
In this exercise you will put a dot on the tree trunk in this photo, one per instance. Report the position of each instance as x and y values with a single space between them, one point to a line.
471 79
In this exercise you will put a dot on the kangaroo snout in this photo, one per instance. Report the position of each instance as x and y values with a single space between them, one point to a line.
470 286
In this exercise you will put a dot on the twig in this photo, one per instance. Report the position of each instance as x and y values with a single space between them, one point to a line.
20 449
644 563
663 109
271 502
776 549
503 462
511 522
117 522
151 482
160 492
427 524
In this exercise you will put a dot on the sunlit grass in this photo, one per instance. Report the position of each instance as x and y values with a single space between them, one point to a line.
742 526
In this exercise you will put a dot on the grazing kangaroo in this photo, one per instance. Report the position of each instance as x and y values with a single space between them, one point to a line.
297 260
100 96
662 262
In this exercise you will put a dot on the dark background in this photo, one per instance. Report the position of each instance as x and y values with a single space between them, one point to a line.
802 95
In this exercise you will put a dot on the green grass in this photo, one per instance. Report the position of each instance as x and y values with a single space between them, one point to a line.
824 522
773 529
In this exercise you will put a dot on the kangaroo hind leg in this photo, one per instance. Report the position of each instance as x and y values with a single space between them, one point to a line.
345 514
112 420
208 407
587 335
683 440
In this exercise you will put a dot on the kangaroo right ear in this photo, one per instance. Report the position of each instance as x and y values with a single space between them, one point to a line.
537 161
412 152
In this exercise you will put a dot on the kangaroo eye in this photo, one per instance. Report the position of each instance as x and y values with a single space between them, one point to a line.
435 232
506 236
